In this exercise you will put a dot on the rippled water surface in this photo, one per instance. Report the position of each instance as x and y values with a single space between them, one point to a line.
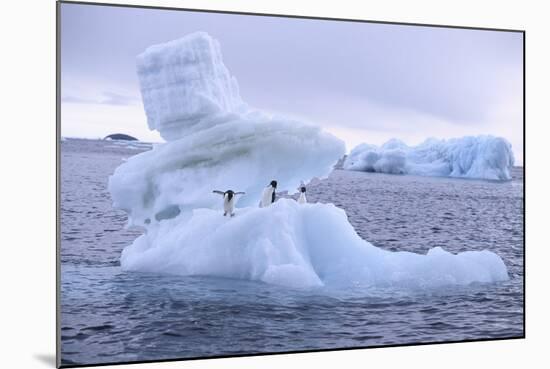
108 315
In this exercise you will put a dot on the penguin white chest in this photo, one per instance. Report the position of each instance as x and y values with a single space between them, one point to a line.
267 197
302 199
228 204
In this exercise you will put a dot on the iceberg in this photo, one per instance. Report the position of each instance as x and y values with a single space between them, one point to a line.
300 246
214 141
481 157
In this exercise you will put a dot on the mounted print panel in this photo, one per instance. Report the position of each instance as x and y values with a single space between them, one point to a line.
238 184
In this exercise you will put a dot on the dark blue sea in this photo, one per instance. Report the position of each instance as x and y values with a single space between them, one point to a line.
108 315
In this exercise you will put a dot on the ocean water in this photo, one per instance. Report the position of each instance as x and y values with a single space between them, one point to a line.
108 315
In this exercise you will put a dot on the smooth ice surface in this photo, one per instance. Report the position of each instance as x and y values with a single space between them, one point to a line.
483 157
296 245
216 142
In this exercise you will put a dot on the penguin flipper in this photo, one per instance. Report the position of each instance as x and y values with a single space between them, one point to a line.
240 193
219 192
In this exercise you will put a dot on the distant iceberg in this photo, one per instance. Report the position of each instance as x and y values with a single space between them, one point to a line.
215 141
482 157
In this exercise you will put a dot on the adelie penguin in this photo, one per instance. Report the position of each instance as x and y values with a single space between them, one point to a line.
228 201
302 199
268 196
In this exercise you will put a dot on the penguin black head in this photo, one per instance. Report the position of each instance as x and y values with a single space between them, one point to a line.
273 184
303 189
230 194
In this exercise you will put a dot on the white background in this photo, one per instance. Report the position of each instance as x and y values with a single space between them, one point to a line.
27 85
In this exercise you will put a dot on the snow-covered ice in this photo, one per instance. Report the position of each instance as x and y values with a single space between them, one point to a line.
242 155
216 142
296 245
185 86
483 157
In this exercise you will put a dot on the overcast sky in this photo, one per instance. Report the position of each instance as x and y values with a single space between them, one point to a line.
364 82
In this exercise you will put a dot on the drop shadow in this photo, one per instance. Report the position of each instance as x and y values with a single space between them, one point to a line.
48 359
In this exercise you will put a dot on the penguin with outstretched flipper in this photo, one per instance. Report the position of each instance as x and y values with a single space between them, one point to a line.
228 201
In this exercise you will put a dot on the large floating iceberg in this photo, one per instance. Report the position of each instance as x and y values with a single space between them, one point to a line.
483 157
216 142
297 245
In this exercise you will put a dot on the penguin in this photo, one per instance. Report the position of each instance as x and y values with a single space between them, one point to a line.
228 201
268 196
302 199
